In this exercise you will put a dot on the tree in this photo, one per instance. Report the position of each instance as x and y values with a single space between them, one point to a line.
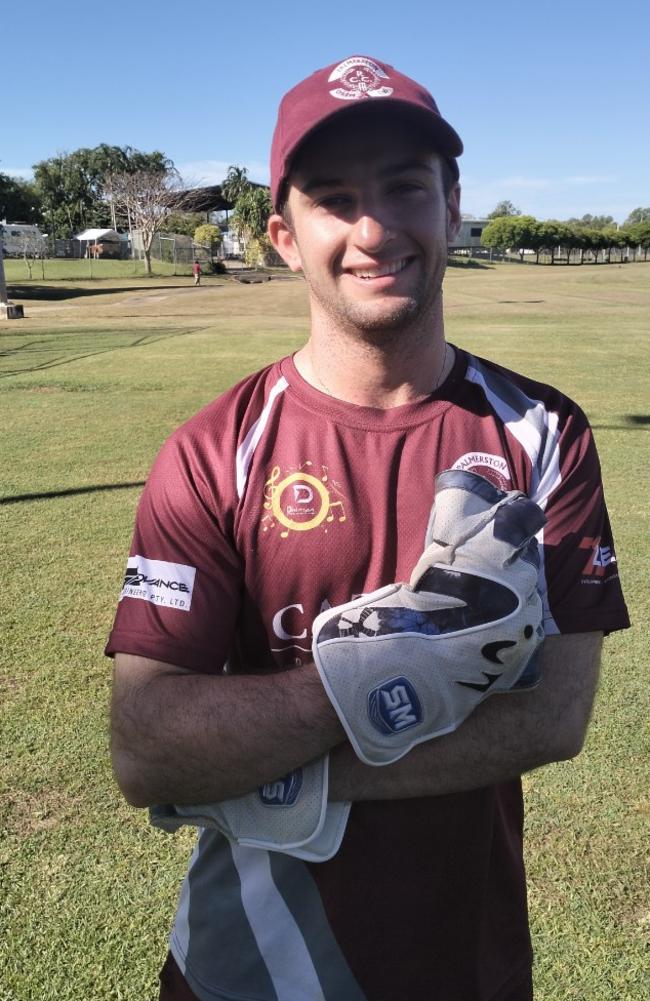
524 233
595 241
613 239
552 235
235 184
146 199
184 223
592 221
75 188
638 236
513 232
637 215
249 220
19 200
207 235
500 233
33 250
504 208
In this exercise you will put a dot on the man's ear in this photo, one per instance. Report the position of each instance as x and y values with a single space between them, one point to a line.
282 237
453 213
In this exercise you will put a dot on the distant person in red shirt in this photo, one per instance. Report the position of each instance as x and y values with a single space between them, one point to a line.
196 271
307 487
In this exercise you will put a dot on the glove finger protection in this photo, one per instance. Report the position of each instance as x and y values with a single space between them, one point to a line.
470 489
410 662
290 815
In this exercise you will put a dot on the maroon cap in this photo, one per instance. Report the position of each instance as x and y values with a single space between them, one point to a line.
346 85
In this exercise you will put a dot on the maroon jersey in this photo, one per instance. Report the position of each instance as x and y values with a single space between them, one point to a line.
277 501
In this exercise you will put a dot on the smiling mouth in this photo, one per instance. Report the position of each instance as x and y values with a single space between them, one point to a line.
381 271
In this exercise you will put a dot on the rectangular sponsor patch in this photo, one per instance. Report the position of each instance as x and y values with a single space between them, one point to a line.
167 584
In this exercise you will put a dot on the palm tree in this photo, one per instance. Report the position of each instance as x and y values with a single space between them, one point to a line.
235 184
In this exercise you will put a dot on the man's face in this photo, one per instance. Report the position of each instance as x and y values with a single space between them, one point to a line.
369 223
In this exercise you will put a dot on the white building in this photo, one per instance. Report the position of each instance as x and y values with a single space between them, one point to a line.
20 238
469 234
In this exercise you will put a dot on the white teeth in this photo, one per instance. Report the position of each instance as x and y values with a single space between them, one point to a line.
387 269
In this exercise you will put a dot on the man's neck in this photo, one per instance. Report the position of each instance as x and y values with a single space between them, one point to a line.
383 375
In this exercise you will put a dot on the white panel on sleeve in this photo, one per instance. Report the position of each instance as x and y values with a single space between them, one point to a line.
247 448
536 430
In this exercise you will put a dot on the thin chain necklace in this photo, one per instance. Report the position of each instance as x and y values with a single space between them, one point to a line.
442 369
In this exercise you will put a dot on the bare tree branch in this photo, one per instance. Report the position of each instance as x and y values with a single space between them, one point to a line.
145 199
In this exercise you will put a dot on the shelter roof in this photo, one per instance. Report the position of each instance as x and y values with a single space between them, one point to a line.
98 234
208 199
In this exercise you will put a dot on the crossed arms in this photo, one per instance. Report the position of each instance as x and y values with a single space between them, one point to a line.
183 737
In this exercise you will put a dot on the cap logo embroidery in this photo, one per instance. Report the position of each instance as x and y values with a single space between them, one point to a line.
359 78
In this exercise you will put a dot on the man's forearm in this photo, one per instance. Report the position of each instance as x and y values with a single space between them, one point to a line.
491 746
181 737
505 737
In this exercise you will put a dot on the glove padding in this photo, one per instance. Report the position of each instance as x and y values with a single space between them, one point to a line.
410 662
289 815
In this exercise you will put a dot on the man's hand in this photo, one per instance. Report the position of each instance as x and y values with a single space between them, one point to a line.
290 815
500 741
411 662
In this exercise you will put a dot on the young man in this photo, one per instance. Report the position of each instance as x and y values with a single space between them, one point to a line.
305 486
196 271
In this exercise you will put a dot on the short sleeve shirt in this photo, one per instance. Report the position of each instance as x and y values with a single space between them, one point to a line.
277 501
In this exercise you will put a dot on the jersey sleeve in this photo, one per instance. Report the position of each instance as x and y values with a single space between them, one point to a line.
583 588
181 593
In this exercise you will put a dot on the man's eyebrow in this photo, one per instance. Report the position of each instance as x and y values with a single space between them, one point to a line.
320 182
403 167
406 165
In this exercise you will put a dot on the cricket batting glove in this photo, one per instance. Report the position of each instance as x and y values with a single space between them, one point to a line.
289 815
410 662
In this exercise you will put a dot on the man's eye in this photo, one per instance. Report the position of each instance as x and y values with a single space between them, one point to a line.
333 202
406 187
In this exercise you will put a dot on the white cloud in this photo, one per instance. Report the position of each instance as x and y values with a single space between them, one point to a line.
524 183
200 173
581 179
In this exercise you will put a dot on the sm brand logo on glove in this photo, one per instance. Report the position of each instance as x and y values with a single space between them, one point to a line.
394 706
282 792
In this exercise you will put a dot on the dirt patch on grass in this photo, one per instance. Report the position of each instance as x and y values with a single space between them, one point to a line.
25 813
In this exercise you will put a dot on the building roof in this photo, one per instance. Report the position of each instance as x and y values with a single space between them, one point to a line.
98 234
209 199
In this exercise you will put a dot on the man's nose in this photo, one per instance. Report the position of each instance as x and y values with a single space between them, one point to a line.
372 232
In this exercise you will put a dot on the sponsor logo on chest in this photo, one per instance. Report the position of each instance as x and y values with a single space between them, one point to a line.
301 500
492 467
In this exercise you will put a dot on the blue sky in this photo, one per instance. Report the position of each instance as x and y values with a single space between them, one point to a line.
551 99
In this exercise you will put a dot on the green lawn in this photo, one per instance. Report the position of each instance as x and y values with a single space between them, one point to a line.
64 269
93 379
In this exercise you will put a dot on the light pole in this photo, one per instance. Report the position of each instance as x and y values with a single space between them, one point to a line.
7 310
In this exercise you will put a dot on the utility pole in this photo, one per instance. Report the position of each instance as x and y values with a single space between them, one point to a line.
7 310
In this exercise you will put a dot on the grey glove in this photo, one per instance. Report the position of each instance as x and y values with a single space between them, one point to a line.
289 815
410 662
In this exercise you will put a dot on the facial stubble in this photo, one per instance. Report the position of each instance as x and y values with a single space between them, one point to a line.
380 324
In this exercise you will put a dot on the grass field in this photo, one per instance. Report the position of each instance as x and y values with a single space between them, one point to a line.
92 381
65 269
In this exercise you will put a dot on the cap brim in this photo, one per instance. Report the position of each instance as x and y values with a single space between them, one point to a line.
445 139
